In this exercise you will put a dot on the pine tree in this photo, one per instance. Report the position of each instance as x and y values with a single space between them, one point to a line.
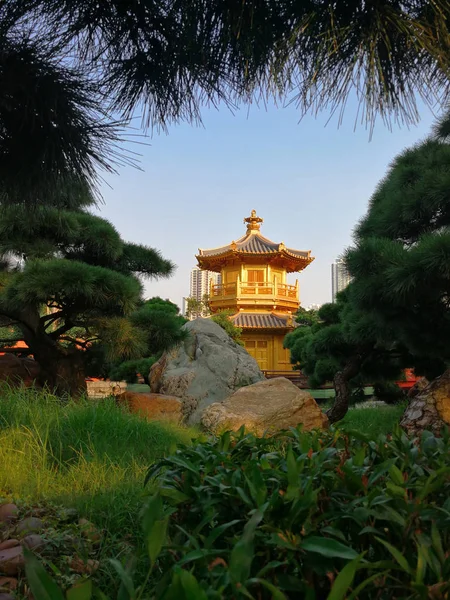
174 57
161 324
54 132
345 347
67 281
401 259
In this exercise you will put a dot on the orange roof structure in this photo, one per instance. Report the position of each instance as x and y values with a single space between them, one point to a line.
254 245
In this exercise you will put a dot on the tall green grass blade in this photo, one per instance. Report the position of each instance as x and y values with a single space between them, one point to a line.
344 580
42 586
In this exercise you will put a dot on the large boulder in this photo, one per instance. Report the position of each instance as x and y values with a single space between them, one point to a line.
267 406
153 407
430 408
418 387
207 367
18 371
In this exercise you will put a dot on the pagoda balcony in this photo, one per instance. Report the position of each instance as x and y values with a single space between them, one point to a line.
248 292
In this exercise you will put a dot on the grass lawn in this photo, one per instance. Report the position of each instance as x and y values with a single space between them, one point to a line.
324 394
138 387
374 420
88 455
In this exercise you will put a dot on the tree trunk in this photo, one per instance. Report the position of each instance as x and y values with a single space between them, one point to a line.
430 408
61 370
342 388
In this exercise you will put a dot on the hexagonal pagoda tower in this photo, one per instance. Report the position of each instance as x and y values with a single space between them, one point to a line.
253 286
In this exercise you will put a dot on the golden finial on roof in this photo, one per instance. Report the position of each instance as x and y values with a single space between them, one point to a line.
253 222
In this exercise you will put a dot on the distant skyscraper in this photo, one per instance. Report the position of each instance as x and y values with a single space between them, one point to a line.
200 284
340 277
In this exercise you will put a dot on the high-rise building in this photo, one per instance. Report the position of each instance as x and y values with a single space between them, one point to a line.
340 277
201 281
200 286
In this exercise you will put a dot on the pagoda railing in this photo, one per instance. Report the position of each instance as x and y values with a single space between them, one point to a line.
224 289
259 288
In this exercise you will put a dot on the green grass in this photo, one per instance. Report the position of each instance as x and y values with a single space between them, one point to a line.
138 387
325 394
88 455
374 420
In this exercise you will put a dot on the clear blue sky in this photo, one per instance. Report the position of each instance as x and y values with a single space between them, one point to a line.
309 180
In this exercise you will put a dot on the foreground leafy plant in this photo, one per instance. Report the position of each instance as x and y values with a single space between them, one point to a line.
320 515
324 515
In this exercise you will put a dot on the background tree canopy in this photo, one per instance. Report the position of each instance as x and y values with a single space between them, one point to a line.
401 259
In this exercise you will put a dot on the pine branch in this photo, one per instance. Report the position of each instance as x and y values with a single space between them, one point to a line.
68 338
62 330
52 317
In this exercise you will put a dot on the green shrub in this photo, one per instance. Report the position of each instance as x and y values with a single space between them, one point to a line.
388 392
321 515
222 318
129 370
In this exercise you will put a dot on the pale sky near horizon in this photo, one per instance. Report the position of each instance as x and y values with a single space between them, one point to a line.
310 181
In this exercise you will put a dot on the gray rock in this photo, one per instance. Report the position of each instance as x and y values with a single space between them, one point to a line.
33 541
9 544
208 367
430 408
29 525
11 560
8 513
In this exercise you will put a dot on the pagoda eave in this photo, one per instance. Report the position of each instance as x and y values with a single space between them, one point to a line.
291 262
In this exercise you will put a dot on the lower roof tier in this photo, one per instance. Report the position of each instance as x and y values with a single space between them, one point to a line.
253 320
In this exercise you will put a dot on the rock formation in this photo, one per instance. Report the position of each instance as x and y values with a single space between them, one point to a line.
269 405
430 408
207 367
154 407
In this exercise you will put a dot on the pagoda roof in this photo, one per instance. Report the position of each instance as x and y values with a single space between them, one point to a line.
261 321
255 244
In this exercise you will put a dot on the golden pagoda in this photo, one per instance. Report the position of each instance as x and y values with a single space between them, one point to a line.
253 285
